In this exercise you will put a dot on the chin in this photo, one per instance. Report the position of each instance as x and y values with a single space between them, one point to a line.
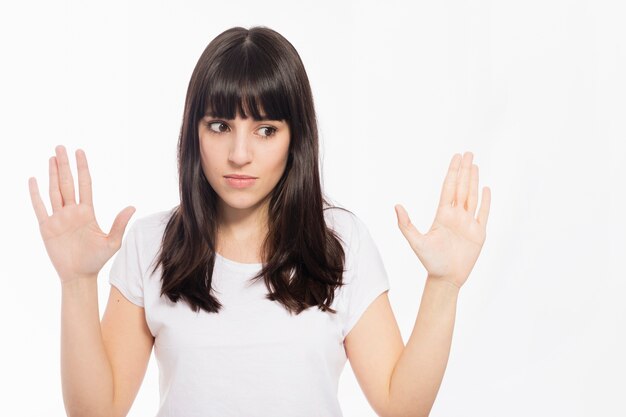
243 202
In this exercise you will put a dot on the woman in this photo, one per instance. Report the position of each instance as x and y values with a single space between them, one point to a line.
253 291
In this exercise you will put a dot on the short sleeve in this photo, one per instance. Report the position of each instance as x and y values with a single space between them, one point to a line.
369 278
125 273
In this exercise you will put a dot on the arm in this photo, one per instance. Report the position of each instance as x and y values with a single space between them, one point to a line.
448 251
417 375
403 381
78 249
86 374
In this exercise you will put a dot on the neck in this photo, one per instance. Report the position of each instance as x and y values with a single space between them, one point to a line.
243 227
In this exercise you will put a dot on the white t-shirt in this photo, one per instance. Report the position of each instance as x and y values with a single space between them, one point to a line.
252 358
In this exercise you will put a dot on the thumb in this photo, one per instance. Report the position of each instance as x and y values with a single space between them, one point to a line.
119 225
407 228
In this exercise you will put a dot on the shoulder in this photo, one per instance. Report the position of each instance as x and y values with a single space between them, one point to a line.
346 223
151 225
144 235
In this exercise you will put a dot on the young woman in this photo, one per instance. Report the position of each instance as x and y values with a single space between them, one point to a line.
254 291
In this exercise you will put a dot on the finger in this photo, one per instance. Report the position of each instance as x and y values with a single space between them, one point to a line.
55 194
403 217
449 183
472 198
116 234
464 180
66 180
483 213
84 178
35 198
407 228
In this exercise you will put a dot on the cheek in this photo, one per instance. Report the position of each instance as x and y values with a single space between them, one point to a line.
283 151
209 162
278 159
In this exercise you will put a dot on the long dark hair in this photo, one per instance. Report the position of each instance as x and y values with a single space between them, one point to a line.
303 259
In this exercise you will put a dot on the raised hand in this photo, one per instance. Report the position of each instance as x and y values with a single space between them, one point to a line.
76 245
451 247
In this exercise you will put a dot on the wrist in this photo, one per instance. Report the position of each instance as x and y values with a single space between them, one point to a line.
79 281
443 283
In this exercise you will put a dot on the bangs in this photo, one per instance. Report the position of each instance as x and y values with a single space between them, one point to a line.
247 82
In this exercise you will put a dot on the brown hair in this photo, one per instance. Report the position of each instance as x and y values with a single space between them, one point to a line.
303 259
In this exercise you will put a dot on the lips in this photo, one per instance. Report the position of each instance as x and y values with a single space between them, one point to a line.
244 182
242 177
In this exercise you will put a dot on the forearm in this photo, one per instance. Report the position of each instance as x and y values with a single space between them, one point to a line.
86 375
419 371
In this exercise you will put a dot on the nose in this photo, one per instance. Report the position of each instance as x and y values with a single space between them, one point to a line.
240 152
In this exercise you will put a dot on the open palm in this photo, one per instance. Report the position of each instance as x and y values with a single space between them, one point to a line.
452 245
76 245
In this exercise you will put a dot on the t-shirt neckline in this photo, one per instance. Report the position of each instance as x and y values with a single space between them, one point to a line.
238 265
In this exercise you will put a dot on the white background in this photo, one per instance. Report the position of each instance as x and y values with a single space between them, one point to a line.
535 89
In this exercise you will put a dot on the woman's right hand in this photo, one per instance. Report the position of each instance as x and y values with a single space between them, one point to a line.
76 245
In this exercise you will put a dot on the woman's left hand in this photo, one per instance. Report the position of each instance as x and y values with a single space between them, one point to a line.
451 247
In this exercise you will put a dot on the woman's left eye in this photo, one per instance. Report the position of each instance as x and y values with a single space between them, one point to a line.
271 130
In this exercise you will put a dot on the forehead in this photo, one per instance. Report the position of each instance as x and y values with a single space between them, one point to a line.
264 117
238 116
230 108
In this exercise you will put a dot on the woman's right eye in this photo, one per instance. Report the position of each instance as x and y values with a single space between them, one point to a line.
218 124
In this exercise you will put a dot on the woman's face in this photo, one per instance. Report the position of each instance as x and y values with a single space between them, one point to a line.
258 149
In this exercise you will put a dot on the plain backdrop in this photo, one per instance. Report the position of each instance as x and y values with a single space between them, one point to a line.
535 89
